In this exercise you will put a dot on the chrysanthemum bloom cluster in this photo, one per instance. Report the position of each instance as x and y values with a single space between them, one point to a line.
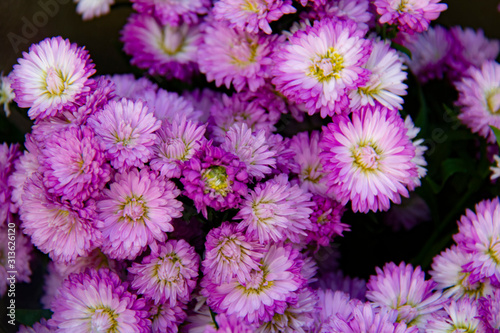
90 9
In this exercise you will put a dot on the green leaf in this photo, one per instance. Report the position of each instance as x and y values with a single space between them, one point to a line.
451 166
28 316
497 134
401 48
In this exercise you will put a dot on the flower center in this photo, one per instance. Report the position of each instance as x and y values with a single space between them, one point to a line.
230 251
493 100
134 209
401 6
172 40
327 66
243 52
252 6
175 148
103 320
366 157
168 269
216 179
54 82
257 280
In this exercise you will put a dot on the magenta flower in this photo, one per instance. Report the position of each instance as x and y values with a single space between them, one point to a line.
332 307
136 210
230 324
168 274
385 83
74 166
237 109
479 99
409 15
276 210
479 234
459 315
176 143
169 106
251 149
90 9
319 65
404 289
265 293
39 327
52 76
214 178
126 85
172 12
63 231
162 49
252 15
229 56
356 10
98 301
453 279
230 253
326 221
166 319
489 312
126 130
369 158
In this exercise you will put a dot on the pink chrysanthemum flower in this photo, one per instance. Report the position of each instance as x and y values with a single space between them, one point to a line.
203 99
214 178
176 143
460 315
57 272
9 154
356 10
405 289
74 165
90 9
54 75
168 274
320 64
126 85
251 149
369 158
366 319
476 48
409 15
308 162
385 84
479 99
165 50
166 318
325 221
6 93
332 306
276 210
236 109
228 56
298 316
252 15
285 155
448 272
126 129
169 106
489 312
230 253
265 293
39 327
62 231
431 53
173 12
98 301
479 234
136 210
23 250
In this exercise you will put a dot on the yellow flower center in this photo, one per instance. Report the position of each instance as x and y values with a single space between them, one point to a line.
54 82
216 179
103 319
366 157
327 66
134 209
493 100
